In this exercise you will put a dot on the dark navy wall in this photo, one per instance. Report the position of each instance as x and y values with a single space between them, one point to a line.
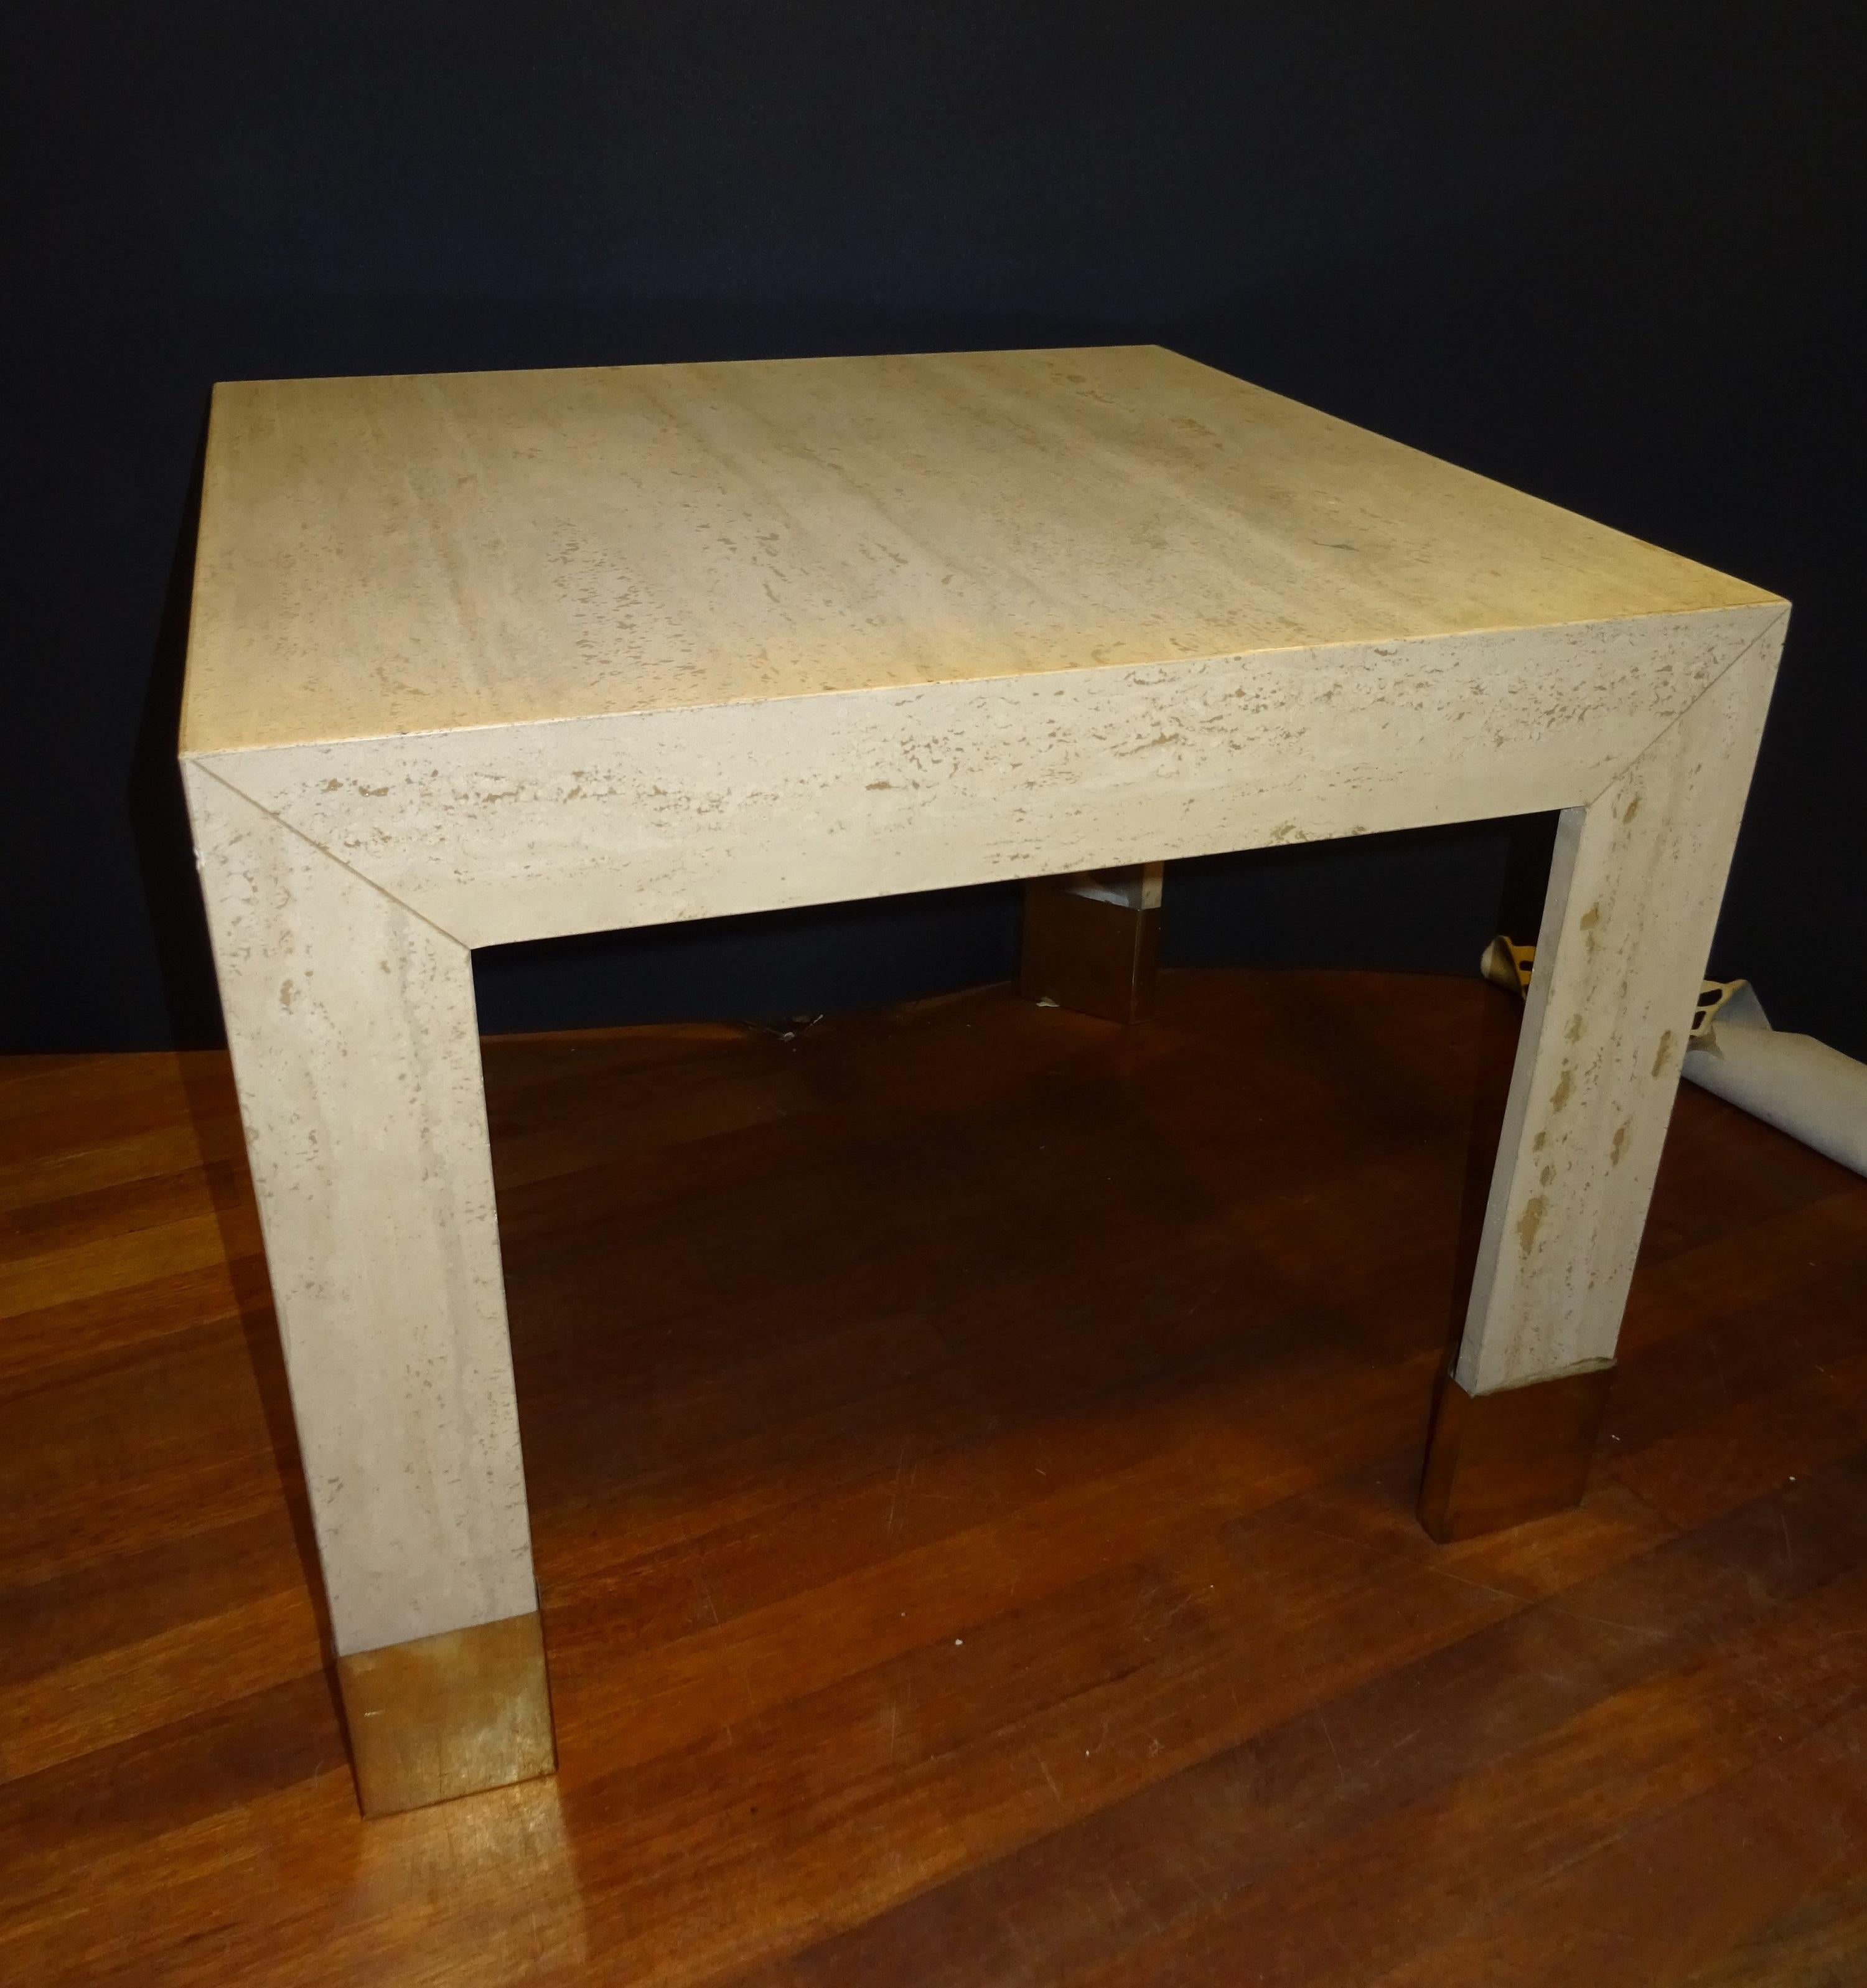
1596 251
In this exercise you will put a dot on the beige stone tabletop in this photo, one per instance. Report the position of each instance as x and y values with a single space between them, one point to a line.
416 553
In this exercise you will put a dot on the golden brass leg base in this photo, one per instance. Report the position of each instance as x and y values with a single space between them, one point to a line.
1093 958
1496 1460
448 1714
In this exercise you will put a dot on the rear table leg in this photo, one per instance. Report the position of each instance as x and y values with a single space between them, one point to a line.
1091 940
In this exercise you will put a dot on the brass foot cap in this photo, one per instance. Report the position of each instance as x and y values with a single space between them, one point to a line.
448 1714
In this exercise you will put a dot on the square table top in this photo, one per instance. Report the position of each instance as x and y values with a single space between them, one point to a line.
424 554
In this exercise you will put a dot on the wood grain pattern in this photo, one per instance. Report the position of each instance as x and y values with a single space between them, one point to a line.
973 1492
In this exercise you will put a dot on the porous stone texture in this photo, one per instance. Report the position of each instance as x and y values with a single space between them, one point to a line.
482 658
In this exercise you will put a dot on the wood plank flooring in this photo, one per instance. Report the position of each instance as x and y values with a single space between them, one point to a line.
972 1450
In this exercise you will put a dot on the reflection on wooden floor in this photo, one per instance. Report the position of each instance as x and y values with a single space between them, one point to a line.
972 1451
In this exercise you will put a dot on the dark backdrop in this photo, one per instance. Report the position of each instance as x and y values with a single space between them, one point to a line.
1598 251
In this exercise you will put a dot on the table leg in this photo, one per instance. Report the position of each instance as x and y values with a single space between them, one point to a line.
1633 898
1090 942
356 1055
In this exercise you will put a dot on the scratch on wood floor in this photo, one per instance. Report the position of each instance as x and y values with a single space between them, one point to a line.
894 1499
1185 1602
1322 1719
1711 1347
707 1596
1044 1767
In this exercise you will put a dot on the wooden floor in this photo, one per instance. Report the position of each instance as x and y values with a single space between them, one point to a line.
972 1451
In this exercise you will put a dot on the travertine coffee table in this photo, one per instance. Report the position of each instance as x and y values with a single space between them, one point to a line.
489 656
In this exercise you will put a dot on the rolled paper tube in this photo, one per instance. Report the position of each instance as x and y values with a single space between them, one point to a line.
1799 1085
1507 964
1802 1086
